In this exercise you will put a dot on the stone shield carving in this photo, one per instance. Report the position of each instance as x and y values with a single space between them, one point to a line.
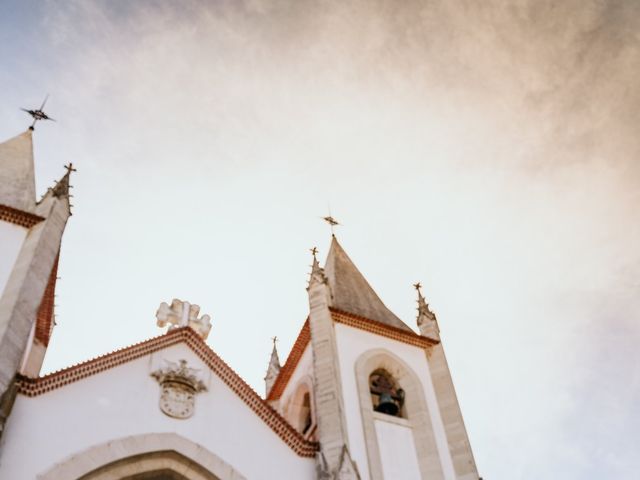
179 386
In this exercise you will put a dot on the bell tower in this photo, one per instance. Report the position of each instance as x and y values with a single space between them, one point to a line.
384 400
30 237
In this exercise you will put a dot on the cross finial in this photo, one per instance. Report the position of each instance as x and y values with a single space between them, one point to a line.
70 168
417 286
314 251
274 340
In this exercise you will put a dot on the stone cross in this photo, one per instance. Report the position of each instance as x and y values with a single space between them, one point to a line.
183 314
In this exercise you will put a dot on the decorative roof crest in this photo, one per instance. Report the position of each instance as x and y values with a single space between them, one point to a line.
183 314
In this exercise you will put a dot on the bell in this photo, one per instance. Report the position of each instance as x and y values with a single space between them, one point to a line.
387 405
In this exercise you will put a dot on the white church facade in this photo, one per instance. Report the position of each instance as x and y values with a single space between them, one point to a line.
360 396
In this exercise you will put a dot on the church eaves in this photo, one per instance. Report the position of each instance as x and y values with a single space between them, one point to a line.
350 291
17 173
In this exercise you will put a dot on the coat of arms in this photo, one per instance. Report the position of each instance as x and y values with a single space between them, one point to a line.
179 387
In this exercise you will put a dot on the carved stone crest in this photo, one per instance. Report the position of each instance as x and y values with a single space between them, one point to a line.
182 314
179 384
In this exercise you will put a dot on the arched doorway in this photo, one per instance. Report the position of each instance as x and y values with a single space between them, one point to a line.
153 456
166 465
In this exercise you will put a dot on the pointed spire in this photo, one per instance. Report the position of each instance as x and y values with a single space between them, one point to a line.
317 272
62 186
427 322
60 190
351 292
273 370
17 178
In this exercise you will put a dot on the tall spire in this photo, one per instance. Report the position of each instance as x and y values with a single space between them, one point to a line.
273 370
351 292
427 322
17 178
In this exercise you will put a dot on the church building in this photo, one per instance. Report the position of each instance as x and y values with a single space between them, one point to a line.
361 394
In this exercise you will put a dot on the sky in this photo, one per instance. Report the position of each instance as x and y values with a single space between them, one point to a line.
489 150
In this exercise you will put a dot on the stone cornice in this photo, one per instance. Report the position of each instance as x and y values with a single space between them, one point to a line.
19 217
380 328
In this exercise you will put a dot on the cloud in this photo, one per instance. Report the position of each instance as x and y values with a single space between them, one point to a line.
488 149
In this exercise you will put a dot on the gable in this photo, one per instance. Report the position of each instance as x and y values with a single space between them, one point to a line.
214 364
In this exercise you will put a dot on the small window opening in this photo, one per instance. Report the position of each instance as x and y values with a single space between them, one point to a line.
386 396
306 408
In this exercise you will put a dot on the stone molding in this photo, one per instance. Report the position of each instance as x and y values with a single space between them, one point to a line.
417 413
90 464
382 329
19 217
31 387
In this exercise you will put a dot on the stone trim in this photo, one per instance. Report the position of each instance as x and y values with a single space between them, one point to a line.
94 462
19 217
415 407
380 328
32 387
292 362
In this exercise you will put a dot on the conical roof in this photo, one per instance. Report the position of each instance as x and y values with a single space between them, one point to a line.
351 292
17 179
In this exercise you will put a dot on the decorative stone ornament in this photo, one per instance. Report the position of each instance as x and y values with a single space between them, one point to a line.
180 385
183 314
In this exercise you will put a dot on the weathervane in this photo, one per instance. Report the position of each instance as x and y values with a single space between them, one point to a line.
332 222
38 114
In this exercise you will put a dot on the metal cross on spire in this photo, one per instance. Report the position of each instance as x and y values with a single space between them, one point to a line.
274 340
38 114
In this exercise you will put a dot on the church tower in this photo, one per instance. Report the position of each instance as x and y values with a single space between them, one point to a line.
380 399
30 236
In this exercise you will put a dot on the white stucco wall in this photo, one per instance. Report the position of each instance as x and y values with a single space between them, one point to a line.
302 372
397 451
123 401
11 240
352 343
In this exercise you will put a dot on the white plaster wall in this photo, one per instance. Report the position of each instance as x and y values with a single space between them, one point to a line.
11 240
397 451
351 344
123 401
302 370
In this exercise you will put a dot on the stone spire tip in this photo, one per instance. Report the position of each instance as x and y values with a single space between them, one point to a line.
427 321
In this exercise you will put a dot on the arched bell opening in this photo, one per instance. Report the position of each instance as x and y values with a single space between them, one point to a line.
300 411
386 395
